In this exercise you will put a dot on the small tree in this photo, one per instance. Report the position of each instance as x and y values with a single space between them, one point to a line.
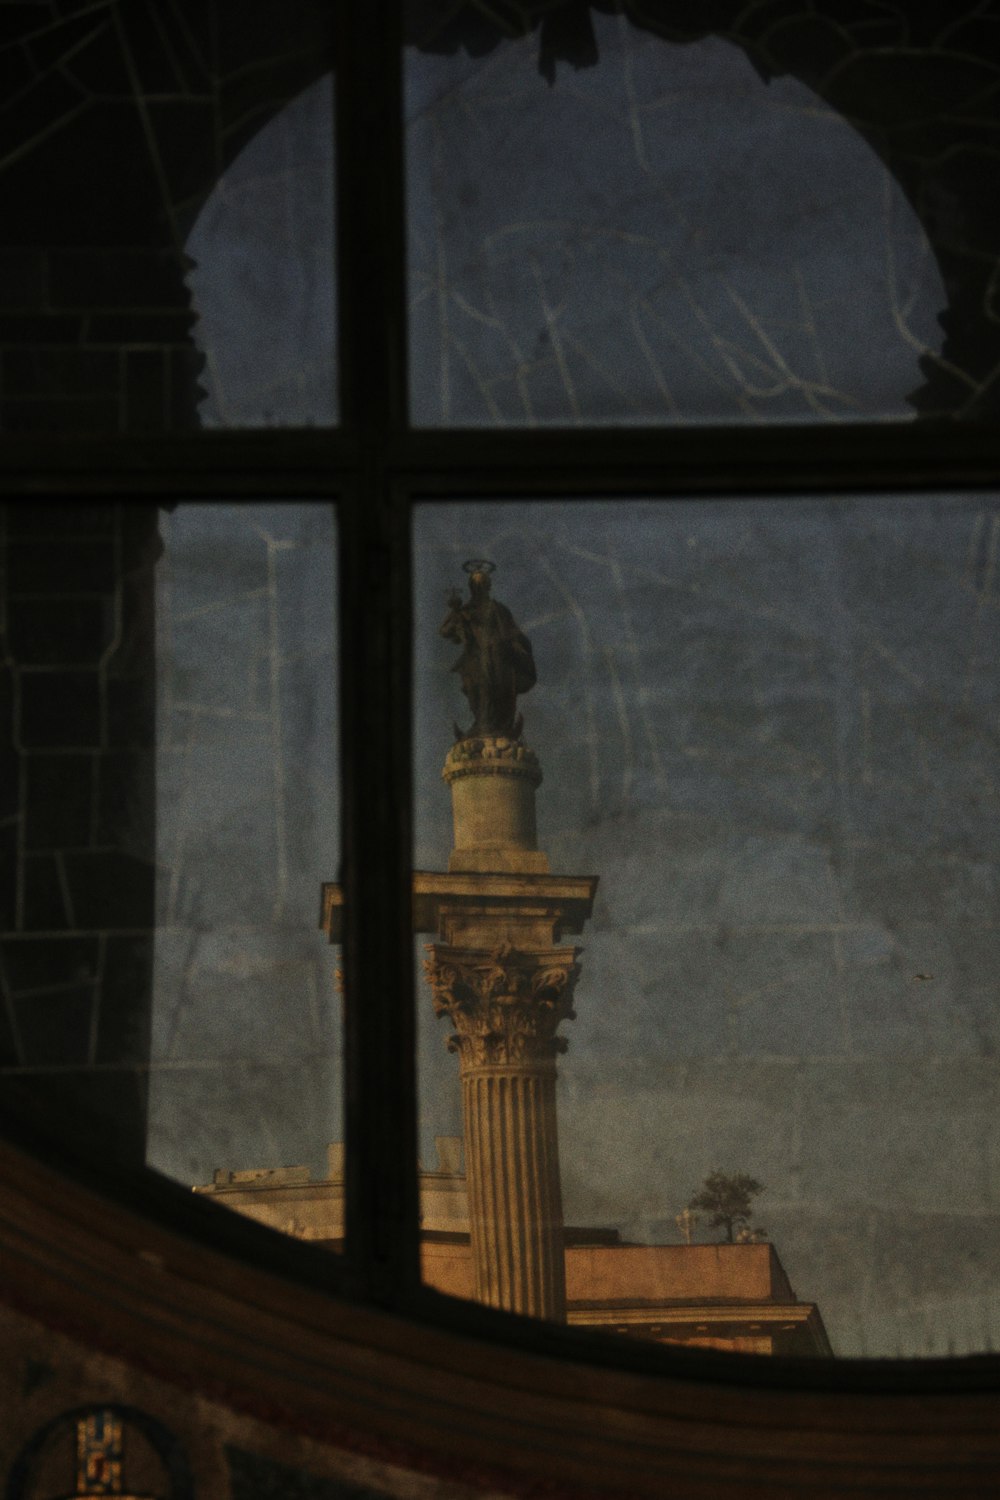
728 1199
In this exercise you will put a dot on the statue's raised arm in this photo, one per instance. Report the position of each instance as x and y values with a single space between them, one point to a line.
496 663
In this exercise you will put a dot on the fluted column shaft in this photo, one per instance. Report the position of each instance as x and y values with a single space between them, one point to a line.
515 1199
505 1005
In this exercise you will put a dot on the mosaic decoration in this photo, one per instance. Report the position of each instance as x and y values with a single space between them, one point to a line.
99 1457
100 1453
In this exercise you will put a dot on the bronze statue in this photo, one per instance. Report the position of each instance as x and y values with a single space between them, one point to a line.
496 661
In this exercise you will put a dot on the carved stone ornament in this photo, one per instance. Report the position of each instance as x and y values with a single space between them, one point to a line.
505 1005
491 755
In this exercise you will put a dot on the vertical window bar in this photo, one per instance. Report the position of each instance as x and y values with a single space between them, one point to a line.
380 1090
371 229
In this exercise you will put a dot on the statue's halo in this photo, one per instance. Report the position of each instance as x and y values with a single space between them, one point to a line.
479 565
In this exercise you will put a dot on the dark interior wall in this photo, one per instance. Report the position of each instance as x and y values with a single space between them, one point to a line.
119 118
118 121
78 701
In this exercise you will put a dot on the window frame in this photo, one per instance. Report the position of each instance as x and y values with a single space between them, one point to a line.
375 468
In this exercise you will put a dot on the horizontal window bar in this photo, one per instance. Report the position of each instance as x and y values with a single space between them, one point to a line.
708 460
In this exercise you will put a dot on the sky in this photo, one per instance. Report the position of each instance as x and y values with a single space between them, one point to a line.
770 728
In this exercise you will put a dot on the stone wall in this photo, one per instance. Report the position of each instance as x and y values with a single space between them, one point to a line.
117 125
77 872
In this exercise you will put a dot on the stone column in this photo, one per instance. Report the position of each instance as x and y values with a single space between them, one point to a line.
505 988
496 968
505 1006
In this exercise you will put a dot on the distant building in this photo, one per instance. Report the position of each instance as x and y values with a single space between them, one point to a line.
718 1296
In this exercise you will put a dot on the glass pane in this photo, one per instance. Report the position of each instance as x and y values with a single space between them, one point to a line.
170 769
769 730
618 218
262 278
246 1043
185 277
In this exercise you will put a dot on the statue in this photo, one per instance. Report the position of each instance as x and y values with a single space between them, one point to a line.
496 661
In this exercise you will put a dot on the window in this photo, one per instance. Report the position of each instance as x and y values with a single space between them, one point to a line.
376 468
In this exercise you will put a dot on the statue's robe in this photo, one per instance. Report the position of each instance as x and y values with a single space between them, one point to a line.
496 663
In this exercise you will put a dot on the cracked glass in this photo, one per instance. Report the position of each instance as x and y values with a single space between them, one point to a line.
619 215
769 729
245 1060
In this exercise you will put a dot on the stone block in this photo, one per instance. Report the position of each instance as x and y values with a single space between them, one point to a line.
49 45
59 631
58 801
58 524
9 1057
126 985
121 278
110 889
140 327
135 650
32 116
78 414
9 859
10 774
56 566
23 275
60 710
60 371
146 380
185 390
99 66
45 908
55 1028
125 799
16 72
10 761
31 963
25 329
131 712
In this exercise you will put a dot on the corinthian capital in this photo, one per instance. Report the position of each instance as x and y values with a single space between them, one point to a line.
504 1004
